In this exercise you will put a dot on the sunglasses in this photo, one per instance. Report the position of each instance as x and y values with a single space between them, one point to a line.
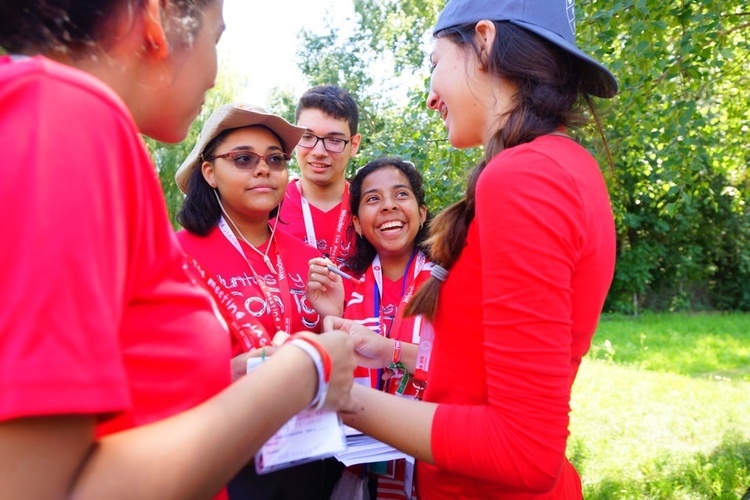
247 160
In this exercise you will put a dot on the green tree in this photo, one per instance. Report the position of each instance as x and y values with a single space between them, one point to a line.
676 136
671 145
393 33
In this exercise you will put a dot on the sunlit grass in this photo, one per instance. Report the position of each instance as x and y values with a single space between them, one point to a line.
702 345
662 410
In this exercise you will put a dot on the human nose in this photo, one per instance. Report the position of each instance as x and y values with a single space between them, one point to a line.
389 205
262 168
432 100
319 148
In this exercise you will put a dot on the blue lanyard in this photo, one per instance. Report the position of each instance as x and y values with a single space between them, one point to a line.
376 290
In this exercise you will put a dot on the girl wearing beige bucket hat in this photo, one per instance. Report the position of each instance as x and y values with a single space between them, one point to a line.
235 179
114 368
525 260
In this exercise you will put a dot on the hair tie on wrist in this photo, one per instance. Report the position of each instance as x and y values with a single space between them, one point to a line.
438 272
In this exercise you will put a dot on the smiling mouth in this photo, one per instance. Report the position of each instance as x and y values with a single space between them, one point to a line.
389 226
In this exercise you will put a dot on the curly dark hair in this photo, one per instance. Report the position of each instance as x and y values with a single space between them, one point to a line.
364 252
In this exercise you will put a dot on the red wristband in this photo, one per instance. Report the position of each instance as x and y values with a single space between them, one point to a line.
323 356
396 352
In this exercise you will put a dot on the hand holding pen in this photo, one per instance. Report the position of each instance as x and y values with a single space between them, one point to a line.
325 287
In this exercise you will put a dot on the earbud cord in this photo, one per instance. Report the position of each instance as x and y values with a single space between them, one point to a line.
270 241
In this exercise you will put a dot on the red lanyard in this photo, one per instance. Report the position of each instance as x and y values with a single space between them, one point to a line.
377 272
340 226
281 318
244 327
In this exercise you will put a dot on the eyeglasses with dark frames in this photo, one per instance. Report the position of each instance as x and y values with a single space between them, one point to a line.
331 144
247 160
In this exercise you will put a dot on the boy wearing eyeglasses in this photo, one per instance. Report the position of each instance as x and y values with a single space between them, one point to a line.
316 206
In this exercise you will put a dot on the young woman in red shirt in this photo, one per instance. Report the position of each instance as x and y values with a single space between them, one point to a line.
235 179
525 260
388 215
115 371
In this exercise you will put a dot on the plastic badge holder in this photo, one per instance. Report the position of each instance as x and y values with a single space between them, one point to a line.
308 436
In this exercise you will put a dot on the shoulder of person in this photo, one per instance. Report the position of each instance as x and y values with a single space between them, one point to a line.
83 92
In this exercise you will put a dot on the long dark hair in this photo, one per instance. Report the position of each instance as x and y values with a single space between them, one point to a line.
200 210
65 26
364 252
550 95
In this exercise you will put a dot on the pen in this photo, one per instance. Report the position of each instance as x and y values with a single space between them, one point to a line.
338 271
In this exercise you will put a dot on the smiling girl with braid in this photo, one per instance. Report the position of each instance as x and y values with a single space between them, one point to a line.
525 260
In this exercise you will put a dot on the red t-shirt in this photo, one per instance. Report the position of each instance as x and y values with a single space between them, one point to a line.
98 314
515 316
217 255
364 305
326 225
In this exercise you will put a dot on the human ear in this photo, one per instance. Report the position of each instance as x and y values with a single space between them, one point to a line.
154 32
207 169
357 225
422 215
484 35
355 144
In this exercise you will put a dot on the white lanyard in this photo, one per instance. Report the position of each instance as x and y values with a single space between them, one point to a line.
282 319
312 240
309 226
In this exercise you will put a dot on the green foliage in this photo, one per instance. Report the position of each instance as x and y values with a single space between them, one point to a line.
676 134
671 144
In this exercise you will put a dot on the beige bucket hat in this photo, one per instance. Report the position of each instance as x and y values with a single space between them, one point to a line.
236 115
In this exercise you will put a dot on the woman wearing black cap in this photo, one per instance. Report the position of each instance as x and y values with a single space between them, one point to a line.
528 256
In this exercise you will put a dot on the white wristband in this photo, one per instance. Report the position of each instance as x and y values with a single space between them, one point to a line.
320 395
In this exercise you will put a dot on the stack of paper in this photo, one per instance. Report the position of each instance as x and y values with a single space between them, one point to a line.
362 449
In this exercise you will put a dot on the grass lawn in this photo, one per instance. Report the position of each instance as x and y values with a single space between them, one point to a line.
661 408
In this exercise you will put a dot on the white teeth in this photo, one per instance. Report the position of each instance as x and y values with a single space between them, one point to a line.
391 225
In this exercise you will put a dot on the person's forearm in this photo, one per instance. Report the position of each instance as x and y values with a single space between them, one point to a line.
402 423
409 356
194 454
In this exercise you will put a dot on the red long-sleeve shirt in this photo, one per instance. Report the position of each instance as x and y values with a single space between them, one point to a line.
515 317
